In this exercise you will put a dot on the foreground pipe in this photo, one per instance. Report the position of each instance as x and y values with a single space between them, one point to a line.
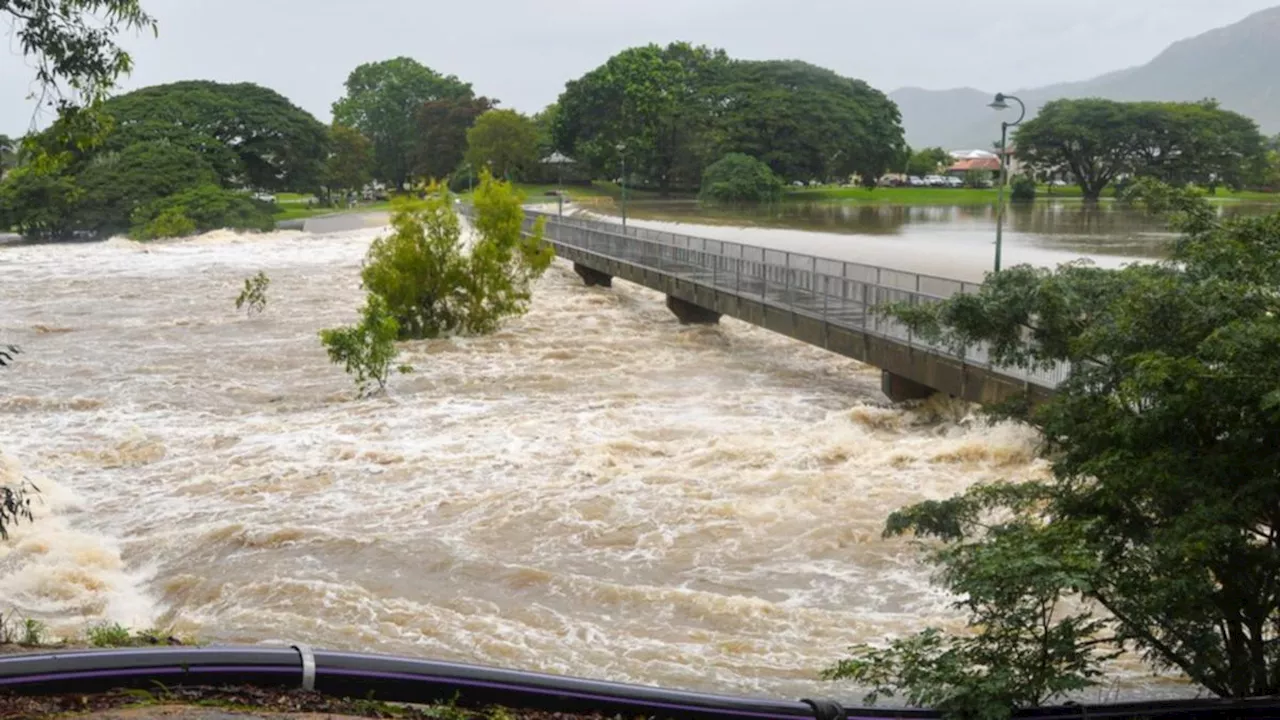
425 681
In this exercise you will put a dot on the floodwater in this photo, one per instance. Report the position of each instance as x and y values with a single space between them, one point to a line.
949 241
594 490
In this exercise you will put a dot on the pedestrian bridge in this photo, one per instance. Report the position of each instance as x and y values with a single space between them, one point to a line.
828 303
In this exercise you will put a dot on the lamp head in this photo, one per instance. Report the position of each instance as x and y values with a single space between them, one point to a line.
999 104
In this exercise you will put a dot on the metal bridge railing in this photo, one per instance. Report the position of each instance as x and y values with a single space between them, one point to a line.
842 293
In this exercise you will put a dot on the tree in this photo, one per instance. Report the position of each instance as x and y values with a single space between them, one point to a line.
250 135
431 287
382 102
927 161
1178 143
740 178
807 122
442 134
350 163
1158 530
1091 138
38 202
115 184
505 142
655 102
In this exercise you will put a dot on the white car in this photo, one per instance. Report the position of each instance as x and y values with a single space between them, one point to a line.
914 181
935 181
954 182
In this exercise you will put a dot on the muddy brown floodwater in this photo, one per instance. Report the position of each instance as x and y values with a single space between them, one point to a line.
593 490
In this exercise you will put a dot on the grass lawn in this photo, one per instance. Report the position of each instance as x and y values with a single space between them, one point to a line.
297 212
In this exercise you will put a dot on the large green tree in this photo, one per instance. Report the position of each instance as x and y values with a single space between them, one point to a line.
650 103
807 122
1158 529
383 100
441 143
250 135
350 164
1101 140
505 142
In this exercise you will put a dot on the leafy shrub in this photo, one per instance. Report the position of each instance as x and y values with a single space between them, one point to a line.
115 184
173 222
106 635
432 287
739 178
1024 189
254 294
367 348
38 203
977 179
208 207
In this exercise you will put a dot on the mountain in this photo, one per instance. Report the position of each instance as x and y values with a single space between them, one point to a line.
1239 65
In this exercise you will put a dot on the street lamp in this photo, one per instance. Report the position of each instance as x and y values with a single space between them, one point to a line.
622 152
1001 104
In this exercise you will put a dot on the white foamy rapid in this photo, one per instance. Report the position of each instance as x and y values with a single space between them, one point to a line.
593 490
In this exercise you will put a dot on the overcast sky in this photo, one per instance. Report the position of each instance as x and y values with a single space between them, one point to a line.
523 51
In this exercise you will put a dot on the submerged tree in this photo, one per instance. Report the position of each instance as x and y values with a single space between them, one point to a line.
1158 530
423 281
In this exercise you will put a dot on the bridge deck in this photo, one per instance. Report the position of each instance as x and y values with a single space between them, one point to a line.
825 302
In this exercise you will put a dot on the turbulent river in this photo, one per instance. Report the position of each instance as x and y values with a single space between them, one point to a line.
594 490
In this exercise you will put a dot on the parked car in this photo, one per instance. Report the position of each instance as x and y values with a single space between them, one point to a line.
265 197
914 181
954 182
935 181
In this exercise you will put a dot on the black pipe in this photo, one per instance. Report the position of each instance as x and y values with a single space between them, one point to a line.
425 681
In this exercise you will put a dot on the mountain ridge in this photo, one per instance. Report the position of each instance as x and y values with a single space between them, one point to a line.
1235 64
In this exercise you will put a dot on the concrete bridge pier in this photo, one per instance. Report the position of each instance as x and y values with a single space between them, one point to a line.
689 314
592 277
900 389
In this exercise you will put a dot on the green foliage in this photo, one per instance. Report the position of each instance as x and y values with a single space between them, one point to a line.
254 295
1178 143
248 134
740 178
15 505
38 202
382 102
928 161
432 287
366 349
442 134
33 632
108 635
678 108
1162 514
207 207
72 42
807 122
977 179
170 223
505 142
8 154
350 164
114 185
1024 189
657 101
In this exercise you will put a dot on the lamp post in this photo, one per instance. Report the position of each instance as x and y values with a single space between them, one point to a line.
1001 104
622 152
